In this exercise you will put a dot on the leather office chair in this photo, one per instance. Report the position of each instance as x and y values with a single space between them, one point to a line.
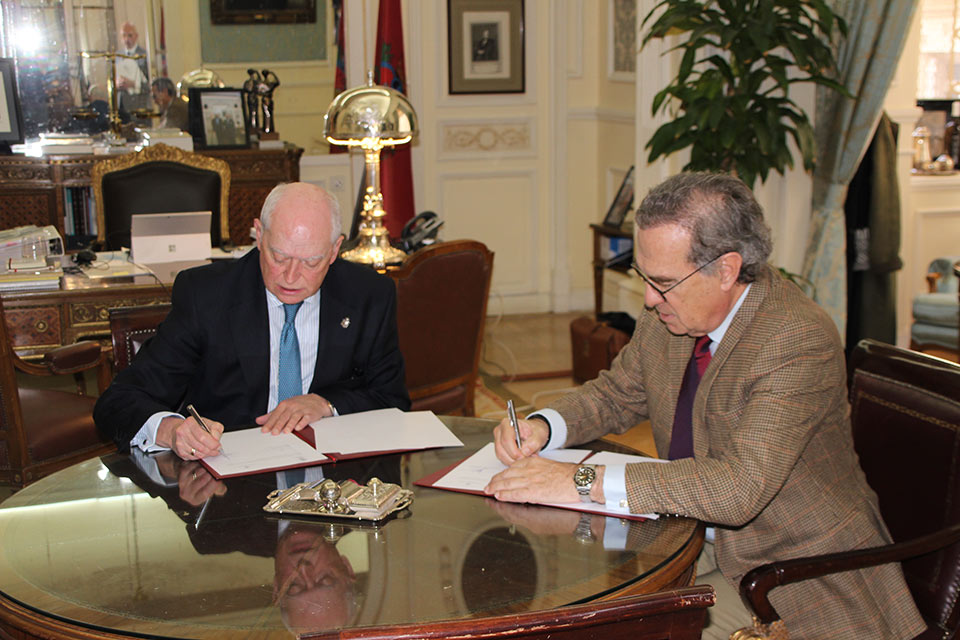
442 294
936 313
158 179
905 406
130 327
43 430
678 614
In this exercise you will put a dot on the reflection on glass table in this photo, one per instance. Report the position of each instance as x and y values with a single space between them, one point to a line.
158 547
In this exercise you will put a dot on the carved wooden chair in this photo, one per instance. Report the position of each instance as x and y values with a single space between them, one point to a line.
678 614
130 327
905 412
442 294
43 430
158 179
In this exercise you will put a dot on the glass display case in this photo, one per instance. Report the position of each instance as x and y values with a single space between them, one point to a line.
79 60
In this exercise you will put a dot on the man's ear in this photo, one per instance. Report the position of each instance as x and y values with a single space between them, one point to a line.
336 248
729 269
258 230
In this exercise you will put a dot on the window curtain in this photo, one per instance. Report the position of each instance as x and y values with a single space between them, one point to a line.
867 59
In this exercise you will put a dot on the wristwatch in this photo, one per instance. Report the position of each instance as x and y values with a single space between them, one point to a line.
584 532
583 479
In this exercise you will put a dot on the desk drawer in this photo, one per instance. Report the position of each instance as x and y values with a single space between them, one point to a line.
34 326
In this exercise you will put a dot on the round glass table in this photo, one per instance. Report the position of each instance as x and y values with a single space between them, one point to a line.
150 546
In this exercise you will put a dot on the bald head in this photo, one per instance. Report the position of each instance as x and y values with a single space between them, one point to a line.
298 235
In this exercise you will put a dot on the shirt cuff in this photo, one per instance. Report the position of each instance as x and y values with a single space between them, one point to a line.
558 428
146 438
615 487
615 534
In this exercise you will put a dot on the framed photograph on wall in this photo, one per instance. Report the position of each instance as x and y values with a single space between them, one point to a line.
218 119
262 11
11 118
621 203
486 46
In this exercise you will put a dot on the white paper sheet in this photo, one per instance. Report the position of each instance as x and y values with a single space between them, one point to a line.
250 451
474 473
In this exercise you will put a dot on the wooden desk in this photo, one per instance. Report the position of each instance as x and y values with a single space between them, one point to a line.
98 551
40 320
601 231
34 190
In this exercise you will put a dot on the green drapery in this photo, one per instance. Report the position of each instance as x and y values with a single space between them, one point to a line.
867 60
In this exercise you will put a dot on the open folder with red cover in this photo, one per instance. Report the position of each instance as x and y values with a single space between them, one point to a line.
356 435
472 474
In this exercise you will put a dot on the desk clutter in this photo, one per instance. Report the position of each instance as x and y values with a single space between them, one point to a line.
30 258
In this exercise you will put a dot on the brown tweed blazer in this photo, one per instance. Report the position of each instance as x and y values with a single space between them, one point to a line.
774 464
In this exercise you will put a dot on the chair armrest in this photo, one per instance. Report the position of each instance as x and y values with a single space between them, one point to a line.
757 583
74 357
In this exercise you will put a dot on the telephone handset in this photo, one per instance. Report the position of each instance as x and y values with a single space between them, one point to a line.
420 230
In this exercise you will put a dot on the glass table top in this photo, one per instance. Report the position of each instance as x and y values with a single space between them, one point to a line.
167 551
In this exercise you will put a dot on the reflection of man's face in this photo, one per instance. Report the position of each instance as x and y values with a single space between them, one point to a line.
313 584
161 97
128 33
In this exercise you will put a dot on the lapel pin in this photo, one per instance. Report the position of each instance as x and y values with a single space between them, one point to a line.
345 322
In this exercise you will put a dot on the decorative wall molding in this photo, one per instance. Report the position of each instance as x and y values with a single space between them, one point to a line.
465 139
526 284
603 114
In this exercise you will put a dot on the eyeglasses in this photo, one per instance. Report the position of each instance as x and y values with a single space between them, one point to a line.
663 292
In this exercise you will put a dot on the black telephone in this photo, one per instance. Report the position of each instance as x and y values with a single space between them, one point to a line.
420 230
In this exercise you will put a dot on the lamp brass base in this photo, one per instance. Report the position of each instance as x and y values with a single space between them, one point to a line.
372 254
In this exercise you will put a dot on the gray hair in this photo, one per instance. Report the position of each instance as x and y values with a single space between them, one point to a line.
332 204
720 213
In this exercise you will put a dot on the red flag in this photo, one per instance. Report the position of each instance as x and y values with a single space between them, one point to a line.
396 174
340 79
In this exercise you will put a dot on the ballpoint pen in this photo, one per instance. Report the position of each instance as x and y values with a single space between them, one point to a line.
512 414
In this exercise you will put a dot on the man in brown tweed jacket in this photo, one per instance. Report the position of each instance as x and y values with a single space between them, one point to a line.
772 465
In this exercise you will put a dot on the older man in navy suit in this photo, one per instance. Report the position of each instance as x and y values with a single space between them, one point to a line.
285 336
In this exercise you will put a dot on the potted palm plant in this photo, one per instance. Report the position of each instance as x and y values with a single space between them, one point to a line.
730 100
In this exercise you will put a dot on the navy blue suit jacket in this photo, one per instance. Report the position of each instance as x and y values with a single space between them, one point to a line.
213 350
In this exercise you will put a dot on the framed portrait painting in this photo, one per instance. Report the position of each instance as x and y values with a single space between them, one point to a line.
218 119
11 118
486 46
621 203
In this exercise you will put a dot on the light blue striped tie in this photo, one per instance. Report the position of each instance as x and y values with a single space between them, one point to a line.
289 383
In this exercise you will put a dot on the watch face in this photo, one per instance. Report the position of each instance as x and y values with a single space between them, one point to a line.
584 476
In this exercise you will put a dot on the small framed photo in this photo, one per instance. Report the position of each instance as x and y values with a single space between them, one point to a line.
486 46
622 203
218 119
11 118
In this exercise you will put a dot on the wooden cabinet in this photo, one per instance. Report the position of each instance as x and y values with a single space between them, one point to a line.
33 190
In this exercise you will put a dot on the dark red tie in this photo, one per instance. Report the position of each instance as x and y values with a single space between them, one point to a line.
681 440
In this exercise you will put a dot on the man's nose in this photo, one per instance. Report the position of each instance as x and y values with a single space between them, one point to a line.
652 297
292 270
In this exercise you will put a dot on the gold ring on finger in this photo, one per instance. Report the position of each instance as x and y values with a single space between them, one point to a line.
193 451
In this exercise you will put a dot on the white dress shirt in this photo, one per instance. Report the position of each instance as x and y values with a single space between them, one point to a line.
308 336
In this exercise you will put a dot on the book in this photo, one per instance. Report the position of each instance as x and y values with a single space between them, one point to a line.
472 474
249 451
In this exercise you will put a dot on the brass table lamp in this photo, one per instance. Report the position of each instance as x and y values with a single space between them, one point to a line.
371 117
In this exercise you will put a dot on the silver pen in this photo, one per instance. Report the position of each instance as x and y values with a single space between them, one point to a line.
512 414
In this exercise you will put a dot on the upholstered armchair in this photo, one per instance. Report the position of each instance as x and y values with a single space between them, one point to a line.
442 294
158 179
43 430
936 314
905 414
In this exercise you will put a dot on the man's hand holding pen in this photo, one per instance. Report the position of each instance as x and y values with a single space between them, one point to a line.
188 438
530 478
